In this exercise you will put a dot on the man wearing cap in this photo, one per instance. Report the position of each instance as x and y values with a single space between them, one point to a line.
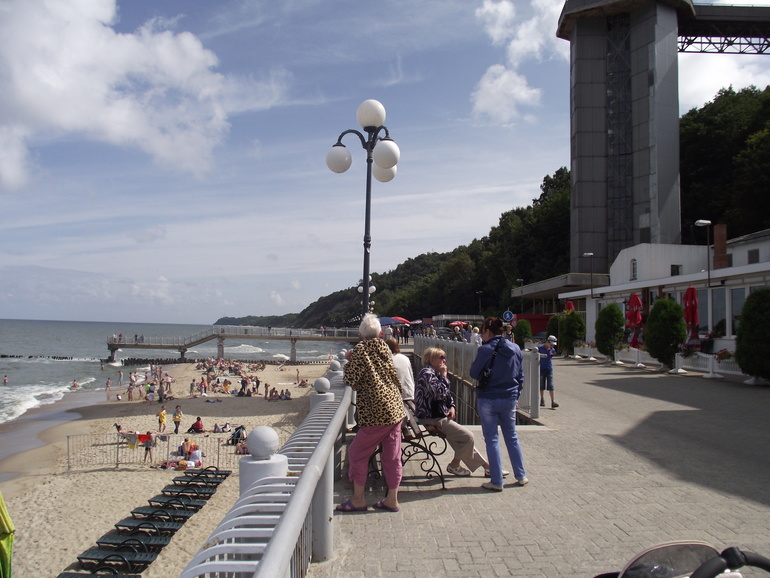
547 351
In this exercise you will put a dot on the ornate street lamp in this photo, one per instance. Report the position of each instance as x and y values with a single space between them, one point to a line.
381 151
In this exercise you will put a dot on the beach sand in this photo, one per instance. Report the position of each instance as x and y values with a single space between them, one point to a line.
60 514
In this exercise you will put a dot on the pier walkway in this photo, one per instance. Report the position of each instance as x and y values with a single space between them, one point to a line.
630 459
223 332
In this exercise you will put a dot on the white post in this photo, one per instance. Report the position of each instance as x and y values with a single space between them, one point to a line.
263 461
712 374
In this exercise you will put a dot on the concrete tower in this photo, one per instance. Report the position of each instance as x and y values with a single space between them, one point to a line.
624 125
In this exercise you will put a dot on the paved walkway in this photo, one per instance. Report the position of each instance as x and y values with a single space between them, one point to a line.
631 459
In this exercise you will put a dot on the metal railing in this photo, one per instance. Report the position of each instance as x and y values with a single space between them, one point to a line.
281 523
88 451
460 356
344 333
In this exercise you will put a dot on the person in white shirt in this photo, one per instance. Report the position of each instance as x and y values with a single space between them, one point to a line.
403 371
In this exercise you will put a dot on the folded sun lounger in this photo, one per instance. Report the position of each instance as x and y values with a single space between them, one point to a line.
143 542
121 559
155 512
200 492
157 527
181 501
198 480
209 471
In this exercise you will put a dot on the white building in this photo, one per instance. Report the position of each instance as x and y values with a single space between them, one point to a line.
724 275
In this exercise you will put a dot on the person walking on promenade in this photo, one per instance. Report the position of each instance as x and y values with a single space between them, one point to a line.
547 351
498 398
435 406
177 417
371 373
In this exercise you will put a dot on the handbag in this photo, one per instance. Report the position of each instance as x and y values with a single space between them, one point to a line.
486 373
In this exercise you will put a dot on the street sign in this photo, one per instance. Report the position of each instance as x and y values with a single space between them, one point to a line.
507 316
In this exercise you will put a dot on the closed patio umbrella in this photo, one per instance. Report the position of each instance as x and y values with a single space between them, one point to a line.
634 318
691 315
7 531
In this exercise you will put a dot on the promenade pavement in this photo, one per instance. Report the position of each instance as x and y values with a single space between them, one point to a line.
630 459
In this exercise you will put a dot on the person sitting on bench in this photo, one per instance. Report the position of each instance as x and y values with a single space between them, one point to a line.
435 406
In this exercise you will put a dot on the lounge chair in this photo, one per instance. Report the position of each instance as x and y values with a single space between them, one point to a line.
143 542
155 512
210 481
110 571
150 526
181 502
121 559
209 471
199 492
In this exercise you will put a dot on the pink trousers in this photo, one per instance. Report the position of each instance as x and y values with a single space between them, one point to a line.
365 444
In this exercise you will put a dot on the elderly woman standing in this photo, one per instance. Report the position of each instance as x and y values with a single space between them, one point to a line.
435 406
371 373
497 400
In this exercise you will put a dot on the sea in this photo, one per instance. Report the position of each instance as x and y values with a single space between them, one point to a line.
41 359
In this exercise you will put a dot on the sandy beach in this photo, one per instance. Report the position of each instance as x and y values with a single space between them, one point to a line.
59 514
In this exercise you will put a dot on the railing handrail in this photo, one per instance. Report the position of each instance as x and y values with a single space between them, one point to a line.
277 557
233 331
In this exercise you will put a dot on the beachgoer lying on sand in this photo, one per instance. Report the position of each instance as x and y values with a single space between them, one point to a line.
303 383
227 427
217 428
196 427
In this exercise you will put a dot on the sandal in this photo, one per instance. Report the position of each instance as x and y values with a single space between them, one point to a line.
488 474
458 471
350 507
381 506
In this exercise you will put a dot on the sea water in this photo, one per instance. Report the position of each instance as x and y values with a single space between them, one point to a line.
41 359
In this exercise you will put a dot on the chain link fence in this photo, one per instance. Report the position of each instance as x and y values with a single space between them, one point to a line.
90 451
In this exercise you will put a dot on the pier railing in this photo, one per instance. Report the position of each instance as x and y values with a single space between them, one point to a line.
233 331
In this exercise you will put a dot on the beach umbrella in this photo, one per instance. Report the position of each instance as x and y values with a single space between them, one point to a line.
416 322
634 317
401 320
387 320
455 323
570 306
691 315
7 531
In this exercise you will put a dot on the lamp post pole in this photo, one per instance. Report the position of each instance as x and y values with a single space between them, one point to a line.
706 223
520 281
591 256
382 155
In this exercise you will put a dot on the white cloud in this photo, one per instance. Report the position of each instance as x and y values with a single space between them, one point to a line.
276 298
504 90
66 71
296 285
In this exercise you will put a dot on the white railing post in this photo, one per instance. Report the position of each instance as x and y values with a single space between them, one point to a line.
263 462
712 361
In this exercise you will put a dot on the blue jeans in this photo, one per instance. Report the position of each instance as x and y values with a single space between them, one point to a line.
502 412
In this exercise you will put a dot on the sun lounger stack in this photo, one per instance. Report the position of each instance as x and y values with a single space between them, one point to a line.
137 539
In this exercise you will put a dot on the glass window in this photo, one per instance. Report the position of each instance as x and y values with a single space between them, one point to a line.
737 299
719 311
633 270
753 256
703 311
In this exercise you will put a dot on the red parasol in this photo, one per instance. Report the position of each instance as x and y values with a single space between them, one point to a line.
691 316
634 317
457 323
570 306
401 320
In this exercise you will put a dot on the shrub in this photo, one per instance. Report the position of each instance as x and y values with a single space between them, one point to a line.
522 330
610 329
666 331
573 328
753 335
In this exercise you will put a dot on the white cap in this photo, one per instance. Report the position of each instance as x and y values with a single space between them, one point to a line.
552 339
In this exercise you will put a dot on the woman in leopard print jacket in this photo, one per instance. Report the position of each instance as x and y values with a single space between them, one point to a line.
371 373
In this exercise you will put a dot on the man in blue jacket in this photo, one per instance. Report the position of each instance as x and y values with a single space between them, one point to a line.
547 351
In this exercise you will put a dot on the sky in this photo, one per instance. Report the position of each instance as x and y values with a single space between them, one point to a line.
165 161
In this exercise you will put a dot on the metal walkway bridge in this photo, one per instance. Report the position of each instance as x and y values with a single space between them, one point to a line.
223 332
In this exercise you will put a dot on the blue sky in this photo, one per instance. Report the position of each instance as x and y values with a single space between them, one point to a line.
164 161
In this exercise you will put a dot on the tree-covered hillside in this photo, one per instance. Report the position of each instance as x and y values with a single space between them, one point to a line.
725 177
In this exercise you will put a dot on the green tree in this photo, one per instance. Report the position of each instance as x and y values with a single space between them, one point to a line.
553 326
666 331
610 325
521 332
573 328
753 335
